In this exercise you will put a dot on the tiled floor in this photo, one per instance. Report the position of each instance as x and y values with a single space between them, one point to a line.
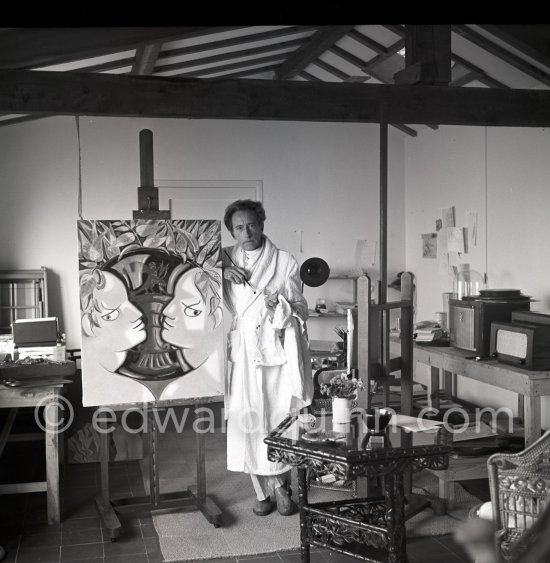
27 538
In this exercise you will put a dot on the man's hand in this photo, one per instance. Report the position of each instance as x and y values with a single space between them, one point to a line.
235 274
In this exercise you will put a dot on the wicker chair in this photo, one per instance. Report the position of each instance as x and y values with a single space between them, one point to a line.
520 489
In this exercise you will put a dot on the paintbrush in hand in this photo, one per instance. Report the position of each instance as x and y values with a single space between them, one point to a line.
232 262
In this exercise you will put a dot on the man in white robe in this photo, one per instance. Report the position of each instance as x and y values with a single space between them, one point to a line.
269 367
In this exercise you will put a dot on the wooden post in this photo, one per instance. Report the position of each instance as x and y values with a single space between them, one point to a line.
148 195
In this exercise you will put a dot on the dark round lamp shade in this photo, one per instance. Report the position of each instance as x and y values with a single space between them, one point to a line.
314 272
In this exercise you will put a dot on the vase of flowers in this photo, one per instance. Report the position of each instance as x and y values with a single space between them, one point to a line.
342 389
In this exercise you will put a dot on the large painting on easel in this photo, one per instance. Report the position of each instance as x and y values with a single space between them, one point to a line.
151 310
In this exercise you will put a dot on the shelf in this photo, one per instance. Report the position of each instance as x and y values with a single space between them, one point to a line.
329 315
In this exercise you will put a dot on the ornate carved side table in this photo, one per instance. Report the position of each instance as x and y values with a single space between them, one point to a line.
370 528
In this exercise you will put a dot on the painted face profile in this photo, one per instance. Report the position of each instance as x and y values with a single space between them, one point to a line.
186 318
115 324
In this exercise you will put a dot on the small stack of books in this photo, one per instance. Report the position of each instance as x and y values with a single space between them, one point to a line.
428 331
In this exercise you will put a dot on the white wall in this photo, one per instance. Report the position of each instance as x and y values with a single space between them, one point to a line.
502 174
321 178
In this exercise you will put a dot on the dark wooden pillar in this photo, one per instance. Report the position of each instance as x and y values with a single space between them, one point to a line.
427 55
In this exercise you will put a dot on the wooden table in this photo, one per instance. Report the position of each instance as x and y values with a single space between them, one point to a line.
45 392
529 385
369 528
448 362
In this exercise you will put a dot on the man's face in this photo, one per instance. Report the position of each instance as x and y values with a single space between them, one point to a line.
246 229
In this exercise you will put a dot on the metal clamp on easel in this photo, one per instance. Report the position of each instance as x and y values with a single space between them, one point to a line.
195 496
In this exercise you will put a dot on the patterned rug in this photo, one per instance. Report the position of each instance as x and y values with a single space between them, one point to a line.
186 535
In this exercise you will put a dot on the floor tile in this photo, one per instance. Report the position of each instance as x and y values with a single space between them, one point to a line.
80 552
149 531
133 546
38 555
428 550
86 523
41 538
451 545
126 559
261 559
81 536
314 556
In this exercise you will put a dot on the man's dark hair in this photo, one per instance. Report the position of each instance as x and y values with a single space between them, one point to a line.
244 205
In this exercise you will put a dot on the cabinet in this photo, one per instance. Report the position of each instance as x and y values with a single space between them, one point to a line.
23 295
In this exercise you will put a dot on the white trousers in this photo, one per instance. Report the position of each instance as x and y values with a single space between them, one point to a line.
265 485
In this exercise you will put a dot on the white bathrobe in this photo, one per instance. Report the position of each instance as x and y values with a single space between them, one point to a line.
268 360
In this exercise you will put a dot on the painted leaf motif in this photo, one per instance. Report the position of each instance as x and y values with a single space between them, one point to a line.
202 283
124 239
201 256
211 246
148 229
154 242
209 233
96 252
202 227
191 240
181 244
112 251
212 260
170 243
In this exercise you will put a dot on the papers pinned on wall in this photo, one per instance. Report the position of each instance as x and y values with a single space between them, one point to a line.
455 239
448 216
472 227
429 245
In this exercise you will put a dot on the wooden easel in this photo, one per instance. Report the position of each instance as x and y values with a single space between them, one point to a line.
194 496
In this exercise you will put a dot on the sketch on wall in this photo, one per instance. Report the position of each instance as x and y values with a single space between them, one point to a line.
151 310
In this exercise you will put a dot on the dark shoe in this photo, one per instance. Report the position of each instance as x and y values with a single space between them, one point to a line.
285 505
263 507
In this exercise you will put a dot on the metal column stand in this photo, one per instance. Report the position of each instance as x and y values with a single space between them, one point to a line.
194 496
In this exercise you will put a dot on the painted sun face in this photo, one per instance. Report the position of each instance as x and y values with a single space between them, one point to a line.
121 325
246 229
185 317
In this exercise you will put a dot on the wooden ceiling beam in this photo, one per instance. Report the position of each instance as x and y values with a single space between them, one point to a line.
367 42
379 59
247 72
317 44
204 48
146 59
233 55
466 78
67 93
234 41
359 63
343 76
331 69
23 48
531 40
501 53
483 76
204 72
21 119
427 55
309 76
